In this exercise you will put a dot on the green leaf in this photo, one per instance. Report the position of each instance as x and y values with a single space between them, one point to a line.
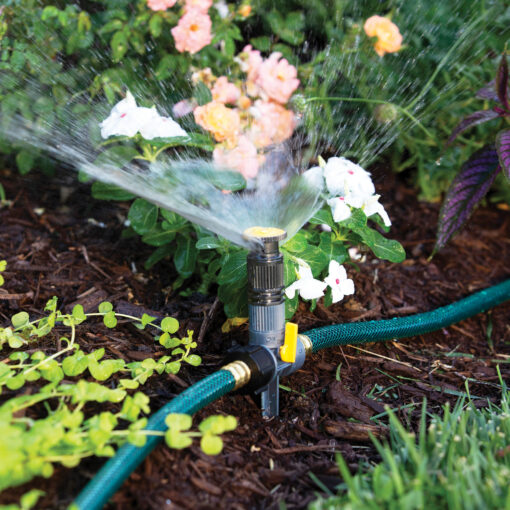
104 191
110 320
147 319
185 256
15 341
20 320
179 421
158 255
334 250
105 307
76 364
156 25
16 382
211 444
208 243
202 93
3 265
383 248
100 371
234 268
262 43
119 45
159 237
173 367
169 325
116 157
129 384
323 216
168 342
193 359
78 313
30 499
25 161
228 180
143 216
297 244
177 440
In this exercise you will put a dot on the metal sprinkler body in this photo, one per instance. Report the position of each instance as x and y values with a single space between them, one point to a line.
274 348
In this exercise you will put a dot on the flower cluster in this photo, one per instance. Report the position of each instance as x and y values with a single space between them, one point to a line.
128 119
193 31
310 288
349 186
389 39
250 115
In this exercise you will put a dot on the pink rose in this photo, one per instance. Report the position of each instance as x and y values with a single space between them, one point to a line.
277 78
224 91
182 108
273 123
193 31
243 158
200 5
160 5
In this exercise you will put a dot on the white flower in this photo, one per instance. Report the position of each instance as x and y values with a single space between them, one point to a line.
339 208
222 9
307 285
372 206
314 177
345 178
161 127
127 119
341 286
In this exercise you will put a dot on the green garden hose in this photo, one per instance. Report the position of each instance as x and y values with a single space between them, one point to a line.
111 476
404 327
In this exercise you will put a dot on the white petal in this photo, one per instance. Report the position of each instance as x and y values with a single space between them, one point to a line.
336 294
340 210
305 273
290 291
372 206
161 127
314 177
312 289
347 287
222 9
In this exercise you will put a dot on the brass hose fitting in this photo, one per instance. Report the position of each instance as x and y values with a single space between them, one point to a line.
307 343
241 372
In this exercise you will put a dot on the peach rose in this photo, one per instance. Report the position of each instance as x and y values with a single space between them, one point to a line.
243 158
273 123
160 5
193 31
250 61
245 10
224 91
201 5
277 78
224 123
389 39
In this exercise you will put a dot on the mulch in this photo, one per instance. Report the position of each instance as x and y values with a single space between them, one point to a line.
59 241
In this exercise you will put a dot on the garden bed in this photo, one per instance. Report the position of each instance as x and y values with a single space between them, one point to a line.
72 249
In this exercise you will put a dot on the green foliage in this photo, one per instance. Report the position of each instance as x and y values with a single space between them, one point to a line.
459 462
69 427
179 435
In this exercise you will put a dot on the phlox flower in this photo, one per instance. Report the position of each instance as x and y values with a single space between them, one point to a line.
200 5
193 31
345 178
225 92
389 39
160 5
307 286
243 158
224 123
127 119
277 78
341 286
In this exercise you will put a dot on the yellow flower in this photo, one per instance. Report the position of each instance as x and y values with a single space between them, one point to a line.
389 39
222 122
245 10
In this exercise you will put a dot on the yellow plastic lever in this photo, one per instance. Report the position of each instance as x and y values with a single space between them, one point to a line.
289 348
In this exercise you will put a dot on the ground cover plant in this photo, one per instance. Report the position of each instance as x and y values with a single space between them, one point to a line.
125 90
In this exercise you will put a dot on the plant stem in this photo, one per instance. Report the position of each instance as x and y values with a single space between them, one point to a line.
401 109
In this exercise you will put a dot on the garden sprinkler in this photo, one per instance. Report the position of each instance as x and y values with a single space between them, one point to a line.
275 348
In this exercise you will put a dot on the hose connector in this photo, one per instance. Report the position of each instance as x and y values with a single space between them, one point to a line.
241 372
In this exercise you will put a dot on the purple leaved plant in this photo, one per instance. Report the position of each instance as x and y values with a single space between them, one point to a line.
479 172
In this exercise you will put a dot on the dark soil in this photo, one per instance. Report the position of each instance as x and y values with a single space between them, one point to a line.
58 241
